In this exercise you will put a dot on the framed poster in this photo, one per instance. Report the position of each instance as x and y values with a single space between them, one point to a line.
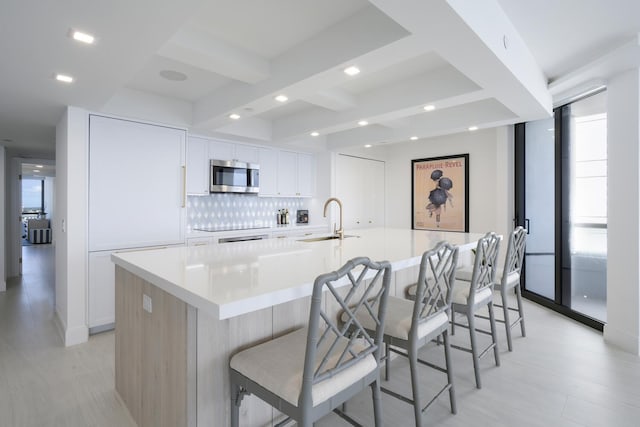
440 193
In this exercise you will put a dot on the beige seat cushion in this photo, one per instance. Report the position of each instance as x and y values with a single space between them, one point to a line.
461 294
513 278
278 365
398 319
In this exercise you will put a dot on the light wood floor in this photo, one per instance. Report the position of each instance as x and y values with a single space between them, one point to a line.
561 374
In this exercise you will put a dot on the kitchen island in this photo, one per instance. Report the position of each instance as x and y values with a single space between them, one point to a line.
182 312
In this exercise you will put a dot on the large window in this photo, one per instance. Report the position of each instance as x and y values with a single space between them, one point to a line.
561 193
32 195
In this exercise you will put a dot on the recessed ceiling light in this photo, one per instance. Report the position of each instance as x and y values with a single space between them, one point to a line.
36 171
314 133
174 76
413 138
472 128
429 107
363 123
83 37
39 166
551 129
351 71
282 98
367 146
234 116
64 78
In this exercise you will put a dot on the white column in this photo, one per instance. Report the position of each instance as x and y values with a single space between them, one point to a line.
623 206
70 226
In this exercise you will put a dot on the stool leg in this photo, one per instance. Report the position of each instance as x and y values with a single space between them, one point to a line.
474 347
377 413
520 310
507 322
494 334
236 399
413 366
448 364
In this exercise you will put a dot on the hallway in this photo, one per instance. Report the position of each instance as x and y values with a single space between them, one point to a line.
43 383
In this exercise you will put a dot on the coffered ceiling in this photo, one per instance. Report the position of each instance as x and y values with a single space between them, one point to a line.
194 63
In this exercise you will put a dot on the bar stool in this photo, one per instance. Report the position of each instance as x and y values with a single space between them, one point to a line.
410 325
509 279
310 372
469 297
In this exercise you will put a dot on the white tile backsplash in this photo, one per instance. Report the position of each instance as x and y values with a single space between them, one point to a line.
235 211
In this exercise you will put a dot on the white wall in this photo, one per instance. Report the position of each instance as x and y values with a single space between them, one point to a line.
623 210
3 242
49 199
70 225
490 176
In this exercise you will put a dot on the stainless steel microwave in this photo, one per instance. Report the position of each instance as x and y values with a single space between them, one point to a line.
232 176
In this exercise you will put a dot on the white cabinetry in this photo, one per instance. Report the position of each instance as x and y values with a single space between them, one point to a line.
197 166
295 174
136 184
268 160
133 202
360 185
305 179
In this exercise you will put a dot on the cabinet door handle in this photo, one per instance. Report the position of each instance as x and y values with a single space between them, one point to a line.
184 186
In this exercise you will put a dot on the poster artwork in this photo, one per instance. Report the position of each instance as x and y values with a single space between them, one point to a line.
440 193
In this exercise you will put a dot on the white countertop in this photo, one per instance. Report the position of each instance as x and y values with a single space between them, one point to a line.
237 278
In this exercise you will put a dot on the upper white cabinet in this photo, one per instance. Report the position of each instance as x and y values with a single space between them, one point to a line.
197 166
283 173
295 174
287 173
133 202
246 153
306 175
268 160
360 185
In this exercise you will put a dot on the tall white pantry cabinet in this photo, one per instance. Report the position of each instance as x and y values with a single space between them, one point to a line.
137 199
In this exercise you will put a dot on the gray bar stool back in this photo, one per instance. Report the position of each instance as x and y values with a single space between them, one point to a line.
411 325
470 297
510 279
310 372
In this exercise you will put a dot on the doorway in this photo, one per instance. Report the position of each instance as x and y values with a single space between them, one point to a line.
561 197
35 202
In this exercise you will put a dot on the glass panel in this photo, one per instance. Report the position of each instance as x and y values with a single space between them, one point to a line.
540 207
31 195
588 206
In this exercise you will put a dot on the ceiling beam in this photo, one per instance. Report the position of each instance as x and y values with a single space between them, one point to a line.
196 48
320 57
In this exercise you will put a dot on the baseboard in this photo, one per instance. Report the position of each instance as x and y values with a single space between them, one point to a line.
622 339
71 336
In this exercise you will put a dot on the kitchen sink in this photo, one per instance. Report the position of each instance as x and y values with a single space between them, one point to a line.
320 239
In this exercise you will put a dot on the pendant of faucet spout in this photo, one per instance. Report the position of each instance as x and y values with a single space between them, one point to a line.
339 232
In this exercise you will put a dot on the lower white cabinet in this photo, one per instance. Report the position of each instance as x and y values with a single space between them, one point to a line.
101 290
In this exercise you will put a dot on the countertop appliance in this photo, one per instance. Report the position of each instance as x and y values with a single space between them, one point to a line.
302 216
232 176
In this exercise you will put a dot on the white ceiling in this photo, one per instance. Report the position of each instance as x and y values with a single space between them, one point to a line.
480 63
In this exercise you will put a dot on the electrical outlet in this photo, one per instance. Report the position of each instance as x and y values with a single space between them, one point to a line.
147 305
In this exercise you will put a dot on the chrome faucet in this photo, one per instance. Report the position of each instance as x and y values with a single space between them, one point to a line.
339 232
